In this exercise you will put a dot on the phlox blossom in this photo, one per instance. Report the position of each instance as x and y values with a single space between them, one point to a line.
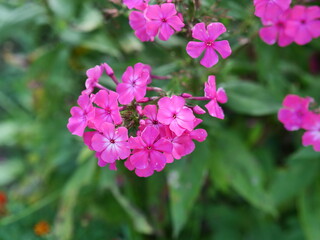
173 112
292 114
303 24
208 37
311 123
138 4
80 116
274 30
134 83
149 149
216 96
163 19
138 22
111 143
109 111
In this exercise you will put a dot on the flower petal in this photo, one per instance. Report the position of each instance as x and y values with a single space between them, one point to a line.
194 49
210 58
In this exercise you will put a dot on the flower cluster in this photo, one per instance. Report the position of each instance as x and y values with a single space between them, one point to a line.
150 21
285 25
146 132
296 115
164 20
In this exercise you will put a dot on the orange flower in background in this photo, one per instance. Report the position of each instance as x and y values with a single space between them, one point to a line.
3 198
3 202
41 228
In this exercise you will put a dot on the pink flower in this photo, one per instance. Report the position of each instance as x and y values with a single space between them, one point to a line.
303 24
172 112
275 30
150 111
269 9
149 149
138 23
209 44
295 108
80 116
163 19
216 96
107 68
109 111
138 4
112 143
311 123
93 75
134 83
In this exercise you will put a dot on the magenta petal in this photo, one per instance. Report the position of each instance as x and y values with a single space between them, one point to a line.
199 134
210 58
109 155
150 111
136 143
157 160
152 28
199 32
98 142
314 28
269 34
147 172
101 163
165 32
302 36
223 48
283 39
312 138
83 101
76 126
164 116
140 159
87 139
221 96
125 93
186 115
149 135
123 150
153 12
174 127
168 10
194 49
163 145
176 23
215 30
214 109
121 134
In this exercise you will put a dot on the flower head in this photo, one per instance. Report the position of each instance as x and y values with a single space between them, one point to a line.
173 112
109 111
303 24
163 19
138 22
216 96
149 149
80 116
134 83
292 114
111 143
209 44
274 30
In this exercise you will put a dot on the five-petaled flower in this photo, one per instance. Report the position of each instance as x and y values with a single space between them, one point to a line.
208 36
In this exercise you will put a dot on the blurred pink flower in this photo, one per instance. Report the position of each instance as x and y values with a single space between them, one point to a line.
292 114
173 112
112 143
163 19
274 30
216 96
109 111
270 9
134 83
303 24
209 44
149 149
138 23
311 123
80 116
138 4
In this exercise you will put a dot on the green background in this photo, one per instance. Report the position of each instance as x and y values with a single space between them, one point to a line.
251 179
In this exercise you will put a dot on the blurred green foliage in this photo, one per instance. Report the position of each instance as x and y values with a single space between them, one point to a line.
251 179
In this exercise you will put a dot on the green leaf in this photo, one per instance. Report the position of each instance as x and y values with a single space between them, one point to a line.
250 98
309 211
64 221
301 170
185 179
242 170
